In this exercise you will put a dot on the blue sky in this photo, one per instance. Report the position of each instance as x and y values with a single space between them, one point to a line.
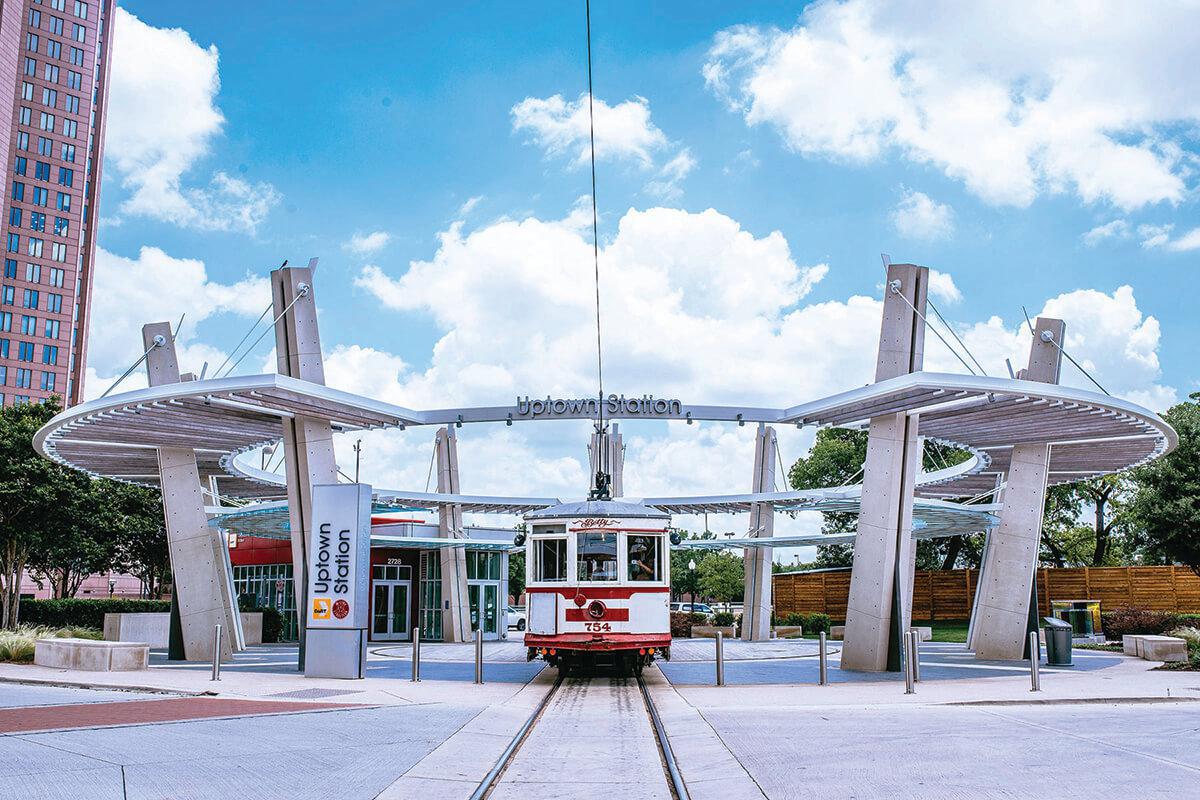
1025 164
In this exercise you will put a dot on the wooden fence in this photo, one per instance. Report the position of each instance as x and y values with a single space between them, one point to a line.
949 594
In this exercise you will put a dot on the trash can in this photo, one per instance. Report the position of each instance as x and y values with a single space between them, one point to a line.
1058 642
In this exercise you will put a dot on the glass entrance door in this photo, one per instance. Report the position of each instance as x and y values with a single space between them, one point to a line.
390 611
485 608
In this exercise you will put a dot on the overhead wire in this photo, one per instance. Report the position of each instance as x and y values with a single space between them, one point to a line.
894 287
266 330
955 335
236 347
595 222
1049 337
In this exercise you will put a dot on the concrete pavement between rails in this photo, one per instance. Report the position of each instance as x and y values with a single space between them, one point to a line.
1118 728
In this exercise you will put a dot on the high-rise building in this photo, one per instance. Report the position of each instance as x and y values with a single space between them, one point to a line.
54 68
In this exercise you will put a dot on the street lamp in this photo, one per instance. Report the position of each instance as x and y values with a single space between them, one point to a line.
112 585
692 581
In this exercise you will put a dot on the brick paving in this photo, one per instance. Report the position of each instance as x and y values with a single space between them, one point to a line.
139 712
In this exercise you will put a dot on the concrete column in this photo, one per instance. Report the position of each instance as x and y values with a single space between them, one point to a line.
1001 616
202 581
307 441
456 606
614 463
756 597
875 611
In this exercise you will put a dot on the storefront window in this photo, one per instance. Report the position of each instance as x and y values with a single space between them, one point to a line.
597 556
645 561
551 557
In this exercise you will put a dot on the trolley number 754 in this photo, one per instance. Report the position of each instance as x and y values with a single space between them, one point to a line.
597 627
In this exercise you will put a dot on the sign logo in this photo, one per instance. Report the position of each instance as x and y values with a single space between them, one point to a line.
595 522
320 608
341 609
647 405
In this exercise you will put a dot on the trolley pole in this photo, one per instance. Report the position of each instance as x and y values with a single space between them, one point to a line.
1035 676
823 658
216 671
908 664
916 648
720 659
416 654
478 656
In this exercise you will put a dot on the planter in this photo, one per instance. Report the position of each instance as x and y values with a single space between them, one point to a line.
710 631
788 631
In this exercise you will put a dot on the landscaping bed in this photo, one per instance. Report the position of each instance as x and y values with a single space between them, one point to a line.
17 646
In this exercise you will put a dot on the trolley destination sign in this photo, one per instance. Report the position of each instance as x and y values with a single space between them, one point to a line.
614 405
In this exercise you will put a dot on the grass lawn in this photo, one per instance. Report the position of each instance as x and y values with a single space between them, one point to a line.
946 630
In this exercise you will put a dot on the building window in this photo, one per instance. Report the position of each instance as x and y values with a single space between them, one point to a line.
24 351
35 18
26 91
33 273
46 122
58 5
31 42
3 348
81 9
51 329
51 73
71 104
74 80
56 26
431 596
50 354
29 298
24 378
54 303
68 153
56 276
53 48
48 381
79 32
41 171
66 176
62 226
70 128
77 56
45 147
22 164
64 202
49 97
35 246
58 251
8 295
41 195
18 192
30 66
14 243
5 321
14 217
22 140
25 116
28 325
10 268
37 221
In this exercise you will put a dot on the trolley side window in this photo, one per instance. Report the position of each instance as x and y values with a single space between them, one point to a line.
551 558
644 557
597 556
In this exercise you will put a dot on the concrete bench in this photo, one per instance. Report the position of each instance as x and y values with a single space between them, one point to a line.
153 627
1163 648
1130 643
91 655
837 632
926 632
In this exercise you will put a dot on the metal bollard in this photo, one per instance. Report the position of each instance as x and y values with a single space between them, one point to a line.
908 664
216 673
916 647
479 656
720 659
416 655
823 658
1035 655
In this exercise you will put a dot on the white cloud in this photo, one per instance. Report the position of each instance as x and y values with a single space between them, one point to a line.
469 206
162 120
1154 236
942 287
918 216
156 287
742 162
1014 100
1117 229
364 244
560 127
666 184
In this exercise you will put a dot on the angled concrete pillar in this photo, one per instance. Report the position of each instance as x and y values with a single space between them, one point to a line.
613 446
202 580
1001 615
756 596
456 606
308 456
876 605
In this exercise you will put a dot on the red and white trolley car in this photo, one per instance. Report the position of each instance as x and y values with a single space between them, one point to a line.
598 585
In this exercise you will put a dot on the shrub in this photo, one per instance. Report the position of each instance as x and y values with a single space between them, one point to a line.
18 645
81 613
795 618
698 618
723 619
818 623
1124 621
681 625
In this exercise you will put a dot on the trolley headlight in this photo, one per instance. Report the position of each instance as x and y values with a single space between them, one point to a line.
596 609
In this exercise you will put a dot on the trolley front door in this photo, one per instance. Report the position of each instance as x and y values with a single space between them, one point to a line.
390 611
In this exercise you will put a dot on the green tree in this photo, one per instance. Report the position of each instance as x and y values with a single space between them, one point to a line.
1165 509
721 576
684 581
137 517
516 573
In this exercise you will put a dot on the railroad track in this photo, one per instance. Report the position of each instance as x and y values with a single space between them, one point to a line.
587 708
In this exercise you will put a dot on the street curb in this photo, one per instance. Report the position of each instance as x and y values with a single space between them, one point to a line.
66 684
1066 701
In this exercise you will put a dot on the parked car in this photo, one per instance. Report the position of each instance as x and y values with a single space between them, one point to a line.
516 618
693 608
